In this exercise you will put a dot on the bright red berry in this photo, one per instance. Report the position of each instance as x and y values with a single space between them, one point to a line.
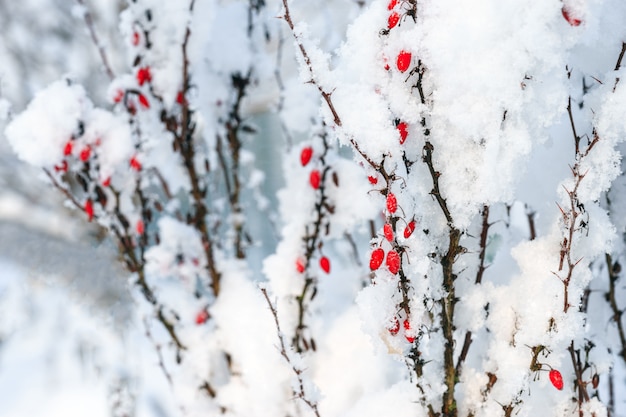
388 232
376 259
403 61
407 332
568 16
202 317
395 328
403 129
393 20
305 155
315 179
106 182
67 150
180 98
144 101
409 229
85 153
392 203
89 209
557 379
139 227
135 164
136 38
393 262
144 75
392 4
300 265
325 264
373 180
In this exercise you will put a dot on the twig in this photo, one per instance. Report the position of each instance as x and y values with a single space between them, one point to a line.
613 270
96 40
300 393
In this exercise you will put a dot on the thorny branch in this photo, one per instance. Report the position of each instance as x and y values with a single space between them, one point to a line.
300 392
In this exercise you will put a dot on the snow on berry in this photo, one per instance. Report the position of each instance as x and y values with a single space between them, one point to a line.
376 259
300 266
395 327
403 130
393 262
393 20
568 15
408 332
315 178
202 317
305 155
556 378
392 203
118 96
325 264
409 229
403 61
392 4
388 232
136 38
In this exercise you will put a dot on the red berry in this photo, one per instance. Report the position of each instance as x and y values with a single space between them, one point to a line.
305 155
407 332
61 168
388 232
135 38
557 379
392 4
325 264
315 179
143 75
85 153
570 19
395 327
89 209
404 132
180 98
135 164
376 259
373 180
393 20
392 203
202 317
300 265
409 229
403 61
68 148
106 182
393 262
144 101
119 95
140 228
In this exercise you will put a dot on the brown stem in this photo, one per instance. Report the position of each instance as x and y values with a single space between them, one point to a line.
300 391
96 40
613 270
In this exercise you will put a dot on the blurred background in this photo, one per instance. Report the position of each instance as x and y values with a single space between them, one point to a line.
69 343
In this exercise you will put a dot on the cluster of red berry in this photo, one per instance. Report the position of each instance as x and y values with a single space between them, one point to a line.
315 180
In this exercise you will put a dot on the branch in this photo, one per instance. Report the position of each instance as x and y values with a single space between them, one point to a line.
96 40
300 393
